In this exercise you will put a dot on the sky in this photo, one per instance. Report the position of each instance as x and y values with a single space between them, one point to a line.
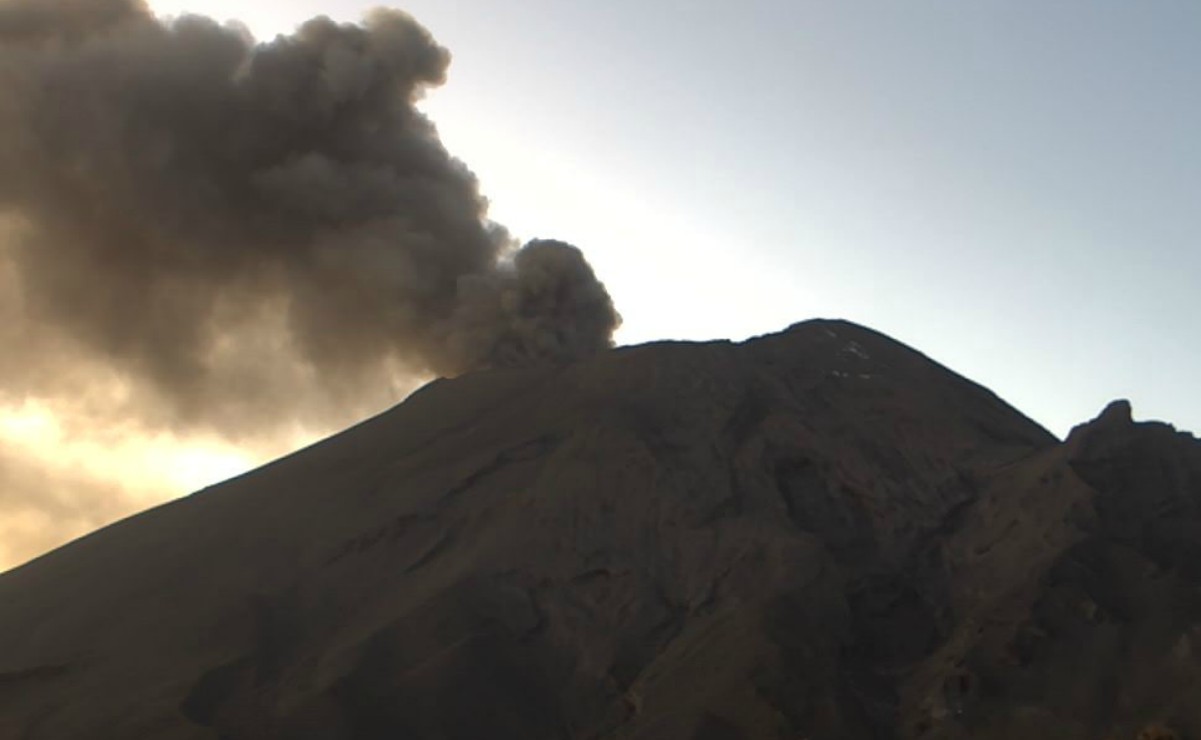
1010 188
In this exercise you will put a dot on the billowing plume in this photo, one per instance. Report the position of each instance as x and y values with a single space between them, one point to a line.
232 232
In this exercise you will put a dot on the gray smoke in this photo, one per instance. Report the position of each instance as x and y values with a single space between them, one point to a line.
238 232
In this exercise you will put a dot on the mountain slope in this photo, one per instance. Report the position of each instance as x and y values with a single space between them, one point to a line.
819 533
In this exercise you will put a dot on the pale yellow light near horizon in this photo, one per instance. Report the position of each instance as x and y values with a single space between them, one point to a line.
89 476
151 466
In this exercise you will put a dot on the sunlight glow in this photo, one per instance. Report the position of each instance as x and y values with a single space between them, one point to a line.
670 273
264 19
155 467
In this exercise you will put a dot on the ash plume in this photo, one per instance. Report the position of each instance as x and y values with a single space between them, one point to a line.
233 232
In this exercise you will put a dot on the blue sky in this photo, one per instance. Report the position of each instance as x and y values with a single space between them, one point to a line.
1011 188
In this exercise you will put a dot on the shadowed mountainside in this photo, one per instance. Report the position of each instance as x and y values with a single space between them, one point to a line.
815 534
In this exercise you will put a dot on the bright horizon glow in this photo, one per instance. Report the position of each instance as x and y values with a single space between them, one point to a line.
163 461
90 477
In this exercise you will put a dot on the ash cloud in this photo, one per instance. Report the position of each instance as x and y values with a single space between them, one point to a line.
240 234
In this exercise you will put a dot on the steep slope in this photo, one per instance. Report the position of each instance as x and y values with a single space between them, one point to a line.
819 533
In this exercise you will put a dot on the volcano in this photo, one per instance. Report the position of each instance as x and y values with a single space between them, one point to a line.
818 534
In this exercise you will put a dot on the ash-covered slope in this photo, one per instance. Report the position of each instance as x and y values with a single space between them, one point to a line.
817 534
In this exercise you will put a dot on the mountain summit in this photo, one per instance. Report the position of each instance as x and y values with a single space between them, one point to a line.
815 534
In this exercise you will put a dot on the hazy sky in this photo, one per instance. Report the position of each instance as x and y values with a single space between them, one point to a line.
1011 188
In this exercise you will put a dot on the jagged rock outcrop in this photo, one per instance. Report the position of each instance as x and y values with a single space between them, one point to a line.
815 534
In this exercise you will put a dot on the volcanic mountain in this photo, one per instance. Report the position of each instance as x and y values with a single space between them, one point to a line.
815 534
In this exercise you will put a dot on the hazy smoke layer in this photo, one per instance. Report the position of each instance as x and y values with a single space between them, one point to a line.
233 233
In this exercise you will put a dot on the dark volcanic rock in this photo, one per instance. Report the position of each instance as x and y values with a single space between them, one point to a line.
815 534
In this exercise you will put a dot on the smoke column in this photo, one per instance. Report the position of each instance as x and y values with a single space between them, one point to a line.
226 235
